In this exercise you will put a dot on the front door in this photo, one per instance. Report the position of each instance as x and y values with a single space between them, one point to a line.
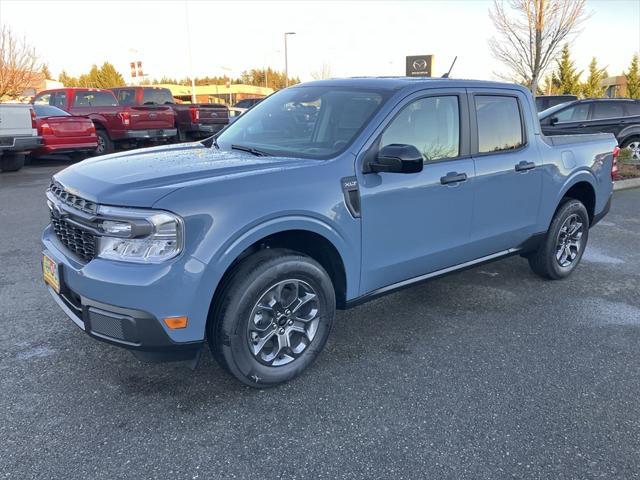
417 223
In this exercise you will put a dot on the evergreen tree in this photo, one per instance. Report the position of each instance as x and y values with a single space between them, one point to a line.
45 72
107 76
591 88
633 78
67 80
566 79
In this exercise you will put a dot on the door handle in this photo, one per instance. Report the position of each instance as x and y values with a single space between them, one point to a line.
582 125
453 177
524 166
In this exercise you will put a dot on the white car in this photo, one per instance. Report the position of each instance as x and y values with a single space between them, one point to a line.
18 135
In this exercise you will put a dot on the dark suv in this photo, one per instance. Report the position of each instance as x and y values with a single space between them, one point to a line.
620 116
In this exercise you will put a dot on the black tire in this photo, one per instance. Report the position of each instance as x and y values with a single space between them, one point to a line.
635 150
545 261
105 144
228 330
12 162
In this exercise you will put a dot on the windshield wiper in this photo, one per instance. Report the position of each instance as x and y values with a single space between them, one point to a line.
254 151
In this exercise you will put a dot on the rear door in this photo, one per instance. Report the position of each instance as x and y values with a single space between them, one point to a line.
607 116
414 224
508 177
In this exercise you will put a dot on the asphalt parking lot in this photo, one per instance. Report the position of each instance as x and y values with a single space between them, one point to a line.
487 374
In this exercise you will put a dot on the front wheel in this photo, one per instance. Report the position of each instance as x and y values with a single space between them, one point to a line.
565 242
273 317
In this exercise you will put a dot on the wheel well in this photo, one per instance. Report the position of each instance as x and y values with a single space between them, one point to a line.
584 192
629 138
308 243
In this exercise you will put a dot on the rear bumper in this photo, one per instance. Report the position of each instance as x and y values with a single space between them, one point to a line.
205 129
19 144
65 148
151 133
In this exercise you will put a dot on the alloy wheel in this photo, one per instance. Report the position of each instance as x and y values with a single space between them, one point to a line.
634 147
283 322
569 240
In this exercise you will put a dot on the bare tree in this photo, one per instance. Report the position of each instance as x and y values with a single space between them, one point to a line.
530 34
323 73
19 64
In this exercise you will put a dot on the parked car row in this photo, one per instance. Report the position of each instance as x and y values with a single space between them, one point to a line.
131 116
620 116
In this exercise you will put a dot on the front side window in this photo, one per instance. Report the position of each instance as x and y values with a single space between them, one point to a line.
314 122
607 110
431 124
59 100
499 123
576 113
92 98
632 108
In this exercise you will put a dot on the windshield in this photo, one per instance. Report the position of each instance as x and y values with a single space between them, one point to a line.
314 122
552 110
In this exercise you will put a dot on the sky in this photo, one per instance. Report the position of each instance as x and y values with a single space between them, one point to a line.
351 37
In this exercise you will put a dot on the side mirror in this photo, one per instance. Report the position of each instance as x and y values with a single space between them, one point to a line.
397 158
553 120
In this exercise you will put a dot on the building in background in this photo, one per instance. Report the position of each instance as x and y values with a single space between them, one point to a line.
615 86
227 94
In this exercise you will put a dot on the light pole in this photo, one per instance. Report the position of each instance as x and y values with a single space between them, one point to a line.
286 60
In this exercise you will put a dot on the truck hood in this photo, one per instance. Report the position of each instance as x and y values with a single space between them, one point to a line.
140 178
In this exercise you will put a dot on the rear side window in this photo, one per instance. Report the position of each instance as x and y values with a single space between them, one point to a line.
126 96
94 99
577 113
632 108
607 110
431 124
499 123
157 96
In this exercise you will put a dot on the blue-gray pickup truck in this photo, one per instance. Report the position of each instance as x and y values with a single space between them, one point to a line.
323 196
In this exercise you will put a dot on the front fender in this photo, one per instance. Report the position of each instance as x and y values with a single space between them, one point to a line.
237 243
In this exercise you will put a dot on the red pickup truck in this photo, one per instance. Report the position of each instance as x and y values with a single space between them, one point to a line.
198 120
115 123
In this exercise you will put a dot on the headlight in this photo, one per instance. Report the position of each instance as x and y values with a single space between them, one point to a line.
140 236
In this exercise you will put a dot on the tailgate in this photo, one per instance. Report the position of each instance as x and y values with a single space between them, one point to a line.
70 126
145 117
15 120
212 114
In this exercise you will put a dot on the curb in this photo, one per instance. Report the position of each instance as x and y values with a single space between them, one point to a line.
625 184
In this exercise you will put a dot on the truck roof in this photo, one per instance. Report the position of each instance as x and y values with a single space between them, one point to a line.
398 83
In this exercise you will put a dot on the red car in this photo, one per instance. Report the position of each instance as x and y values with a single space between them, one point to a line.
62 132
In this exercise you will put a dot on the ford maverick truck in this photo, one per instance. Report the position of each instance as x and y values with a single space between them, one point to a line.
323 196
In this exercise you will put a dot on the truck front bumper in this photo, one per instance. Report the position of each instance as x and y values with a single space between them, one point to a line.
124 304
151 133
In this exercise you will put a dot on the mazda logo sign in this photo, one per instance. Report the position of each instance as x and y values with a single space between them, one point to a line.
420 64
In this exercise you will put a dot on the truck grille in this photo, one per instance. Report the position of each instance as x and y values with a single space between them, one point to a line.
79 241
71 199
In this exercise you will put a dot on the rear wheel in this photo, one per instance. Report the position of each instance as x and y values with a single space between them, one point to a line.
273 318
633 145
565 242
105 144
12 162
